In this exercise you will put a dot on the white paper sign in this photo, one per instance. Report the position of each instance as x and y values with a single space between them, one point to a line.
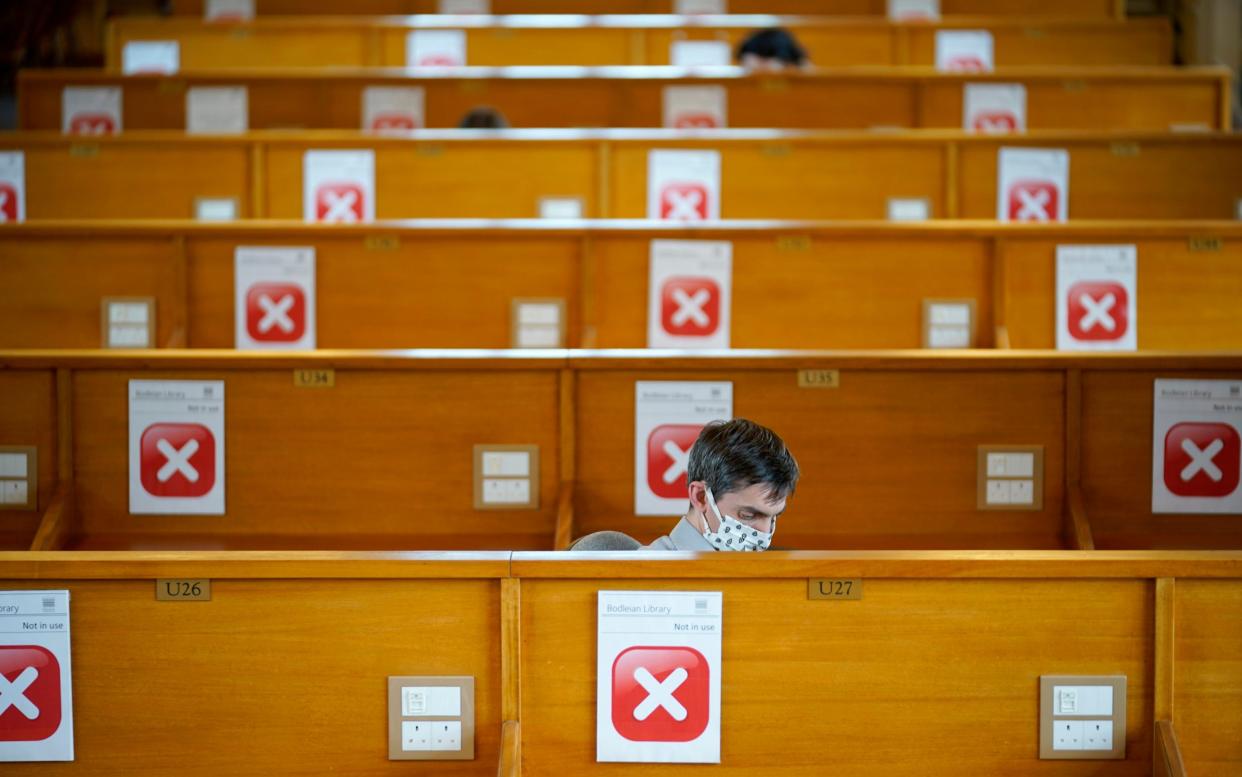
274 297
964 51
683 185
217 110
338 186
658 676
228 10
692 7
994 107
12 187
1032 184
393 108
151 56
1097 298
435 48
36 677
700 53
914 10
668 416
1196 458
689 293
176 447
695 107
90 110
464 6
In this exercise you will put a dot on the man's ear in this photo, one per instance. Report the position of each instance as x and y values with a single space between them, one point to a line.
698 495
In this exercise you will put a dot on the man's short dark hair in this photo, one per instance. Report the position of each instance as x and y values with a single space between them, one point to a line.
773 43
733 455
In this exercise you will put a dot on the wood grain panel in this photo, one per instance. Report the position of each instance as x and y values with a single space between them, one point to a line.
437 292
153 180
1065 99
845 181
441 180
921 666
887 460
53 288
269 677
1098 9
1117 467
777 175
1187 291
1208 699
1146 179
382 455
28 417
333 41
835 293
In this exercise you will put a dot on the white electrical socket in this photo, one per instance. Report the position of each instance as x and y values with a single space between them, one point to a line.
1097 735
415 735
446 735
1067 735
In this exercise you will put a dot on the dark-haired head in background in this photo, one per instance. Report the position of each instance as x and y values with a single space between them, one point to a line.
771 49
483 117
738 478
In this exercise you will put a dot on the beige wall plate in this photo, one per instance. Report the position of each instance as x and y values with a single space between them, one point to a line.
127 322
506 477
1082 717
1010 477
422 709
537 322
949 323
19 477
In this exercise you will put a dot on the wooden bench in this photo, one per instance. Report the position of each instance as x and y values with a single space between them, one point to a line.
1155 99
763 174
382 460
1094 9
333 41
361 465
283 671
976 630
840 285
941 647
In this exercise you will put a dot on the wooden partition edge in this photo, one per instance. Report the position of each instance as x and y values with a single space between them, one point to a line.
258 181
979 564
1167 752
179 332
1165 635
952 193
59 521
568 459
510 648
510 749
1226 104
564 534
1077 526
254 565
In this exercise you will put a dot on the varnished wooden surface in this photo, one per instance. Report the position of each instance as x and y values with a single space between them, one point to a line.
327 41
1097 9
888 458
276 676
1067 98
764 174
892 660
1208 700
842 285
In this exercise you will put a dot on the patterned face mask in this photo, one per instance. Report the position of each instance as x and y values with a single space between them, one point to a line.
732 534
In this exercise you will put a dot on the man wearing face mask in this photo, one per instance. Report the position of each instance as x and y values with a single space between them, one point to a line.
739 476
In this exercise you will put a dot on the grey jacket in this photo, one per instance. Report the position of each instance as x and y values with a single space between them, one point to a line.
683 537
